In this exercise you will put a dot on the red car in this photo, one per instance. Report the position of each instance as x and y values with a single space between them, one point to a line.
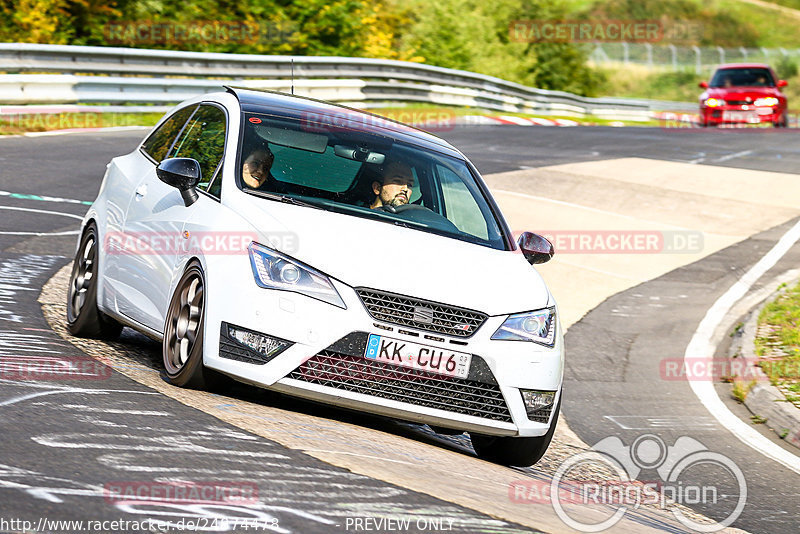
743 93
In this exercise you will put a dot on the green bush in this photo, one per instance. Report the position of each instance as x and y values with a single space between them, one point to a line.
786 68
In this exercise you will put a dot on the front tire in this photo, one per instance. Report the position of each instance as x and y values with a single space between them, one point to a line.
521 452
182 347
84 319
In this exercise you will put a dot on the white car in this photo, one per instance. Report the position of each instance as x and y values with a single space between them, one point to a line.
329 254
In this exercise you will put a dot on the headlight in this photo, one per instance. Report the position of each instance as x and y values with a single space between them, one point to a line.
714 102
766 101
276 271
538 326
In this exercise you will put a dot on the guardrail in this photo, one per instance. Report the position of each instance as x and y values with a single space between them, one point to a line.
105 75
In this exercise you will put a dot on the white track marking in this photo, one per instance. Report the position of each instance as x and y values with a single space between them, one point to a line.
55 389
733 156
42 198
702 346
47 212
87 408
86 130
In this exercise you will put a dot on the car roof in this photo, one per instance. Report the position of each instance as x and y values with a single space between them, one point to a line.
744 66
304 108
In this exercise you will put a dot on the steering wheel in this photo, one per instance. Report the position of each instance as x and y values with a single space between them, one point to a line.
403 207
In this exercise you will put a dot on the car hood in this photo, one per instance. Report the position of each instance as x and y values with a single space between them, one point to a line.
741 93
366 253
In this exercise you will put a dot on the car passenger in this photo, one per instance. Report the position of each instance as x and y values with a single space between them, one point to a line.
256 168
395 186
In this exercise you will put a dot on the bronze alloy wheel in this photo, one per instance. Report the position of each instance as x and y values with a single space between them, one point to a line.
82 275
183 334
84 319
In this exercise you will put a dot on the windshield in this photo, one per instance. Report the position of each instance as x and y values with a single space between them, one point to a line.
364 174
747 77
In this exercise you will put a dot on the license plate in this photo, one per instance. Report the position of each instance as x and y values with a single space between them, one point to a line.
415 356
740 116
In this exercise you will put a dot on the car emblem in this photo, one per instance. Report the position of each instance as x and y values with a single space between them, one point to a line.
423 315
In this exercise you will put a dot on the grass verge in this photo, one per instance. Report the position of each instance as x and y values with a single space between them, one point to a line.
45 122
778 342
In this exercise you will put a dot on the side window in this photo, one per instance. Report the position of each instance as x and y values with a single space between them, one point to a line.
204 140
215 189
461 207
157 145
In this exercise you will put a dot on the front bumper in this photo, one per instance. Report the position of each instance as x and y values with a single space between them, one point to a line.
326 362
739 114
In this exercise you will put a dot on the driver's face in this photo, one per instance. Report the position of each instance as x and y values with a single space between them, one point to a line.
255 170
397 185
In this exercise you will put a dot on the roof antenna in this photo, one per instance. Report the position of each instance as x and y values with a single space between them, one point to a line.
292 75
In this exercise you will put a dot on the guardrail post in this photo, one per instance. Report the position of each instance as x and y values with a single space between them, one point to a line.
721 54
625 56
649 49
743 50
673 50
698 65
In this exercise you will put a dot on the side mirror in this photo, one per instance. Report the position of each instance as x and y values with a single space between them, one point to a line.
535 248
704 85
782 83
182 173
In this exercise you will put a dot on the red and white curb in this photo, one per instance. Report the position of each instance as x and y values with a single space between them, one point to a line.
515 121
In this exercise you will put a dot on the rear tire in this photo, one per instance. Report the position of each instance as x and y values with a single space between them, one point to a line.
182 348
521 452
84 319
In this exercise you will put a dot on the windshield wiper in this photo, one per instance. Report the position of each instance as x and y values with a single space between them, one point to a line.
286 199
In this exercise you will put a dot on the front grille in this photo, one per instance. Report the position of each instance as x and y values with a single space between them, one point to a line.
421 314
411 386
738 103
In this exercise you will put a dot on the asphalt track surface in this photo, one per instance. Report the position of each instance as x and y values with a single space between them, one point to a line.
506 148
55 462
